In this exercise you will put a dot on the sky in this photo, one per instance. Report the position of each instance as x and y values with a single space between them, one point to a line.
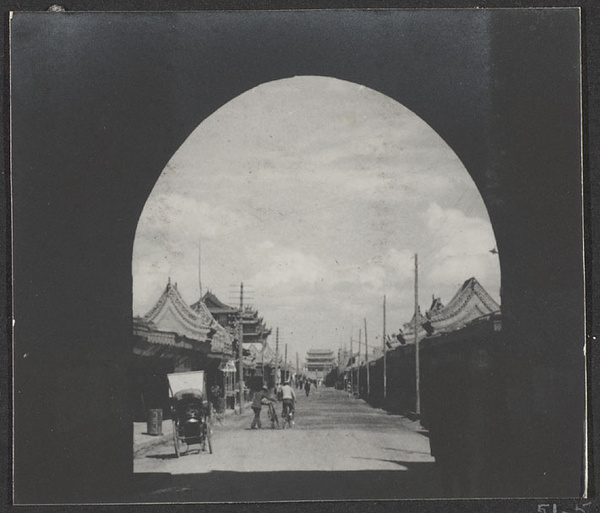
316 193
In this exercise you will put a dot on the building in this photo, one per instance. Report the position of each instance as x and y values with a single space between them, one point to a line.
442 330
224 314
471 302
319 363
261 363
256 353
255 330
173 337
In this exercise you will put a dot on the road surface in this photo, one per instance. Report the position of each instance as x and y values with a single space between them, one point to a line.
339 448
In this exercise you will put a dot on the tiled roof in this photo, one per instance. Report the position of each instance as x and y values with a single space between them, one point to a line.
471 302
172 314
214 304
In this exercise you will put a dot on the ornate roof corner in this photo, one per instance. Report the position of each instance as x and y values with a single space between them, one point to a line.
470 304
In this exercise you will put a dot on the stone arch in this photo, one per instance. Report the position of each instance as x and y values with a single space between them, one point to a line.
401 149
504 97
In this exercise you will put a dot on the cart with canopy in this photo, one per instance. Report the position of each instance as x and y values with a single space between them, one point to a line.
190 411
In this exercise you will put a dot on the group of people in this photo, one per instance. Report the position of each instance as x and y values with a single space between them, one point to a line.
306 383
264 397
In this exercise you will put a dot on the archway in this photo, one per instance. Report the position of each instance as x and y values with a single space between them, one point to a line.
514 125
316 193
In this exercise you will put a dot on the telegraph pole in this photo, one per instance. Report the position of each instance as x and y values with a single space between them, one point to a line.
285 372
351 367
297 366
384 355
417 364
358 371
277 356
367 360
200 266
262 363
241 349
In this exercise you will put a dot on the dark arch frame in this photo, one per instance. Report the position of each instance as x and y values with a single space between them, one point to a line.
101 102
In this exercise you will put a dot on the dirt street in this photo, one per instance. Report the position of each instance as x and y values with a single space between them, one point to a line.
339 448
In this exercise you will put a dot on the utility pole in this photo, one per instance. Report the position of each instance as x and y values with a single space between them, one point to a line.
200 267
262 363
358 371
417 363
351 367
367 360
285 372
297 366
277 356
241 349
384 355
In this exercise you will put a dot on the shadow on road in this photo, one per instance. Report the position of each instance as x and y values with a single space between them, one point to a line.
419 480
405 451
162 456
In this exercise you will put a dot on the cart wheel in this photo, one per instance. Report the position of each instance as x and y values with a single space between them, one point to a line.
175 439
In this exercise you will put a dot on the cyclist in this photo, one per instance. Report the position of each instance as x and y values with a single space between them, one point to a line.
289 399
260 397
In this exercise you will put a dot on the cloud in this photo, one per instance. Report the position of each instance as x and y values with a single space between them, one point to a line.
285 266
461 249
148 291
182 217
400 264
316 193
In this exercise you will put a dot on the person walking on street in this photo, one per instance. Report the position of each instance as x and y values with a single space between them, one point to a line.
307 387
289 399
260 397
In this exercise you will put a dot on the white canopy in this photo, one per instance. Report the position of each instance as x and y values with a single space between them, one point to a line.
186 380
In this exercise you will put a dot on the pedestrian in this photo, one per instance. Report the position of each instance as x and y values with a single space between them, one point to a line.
307 387
289 399
217 399
260 397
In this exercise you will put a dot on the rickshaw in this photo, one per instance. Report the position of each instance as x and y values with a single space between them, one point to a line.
190 411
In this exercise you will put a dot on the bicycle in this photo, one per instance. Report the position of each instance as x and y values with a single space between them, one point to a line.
272 414
288 418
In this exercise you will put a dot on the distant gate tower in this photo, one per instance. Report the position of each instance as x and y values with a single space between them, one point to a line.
319 363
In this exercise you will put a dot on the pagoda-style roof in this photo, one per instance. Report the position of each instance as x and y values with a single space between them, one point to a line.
221 339
255 329
320 359
172 314
470 303
214 304
149 341
320 353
